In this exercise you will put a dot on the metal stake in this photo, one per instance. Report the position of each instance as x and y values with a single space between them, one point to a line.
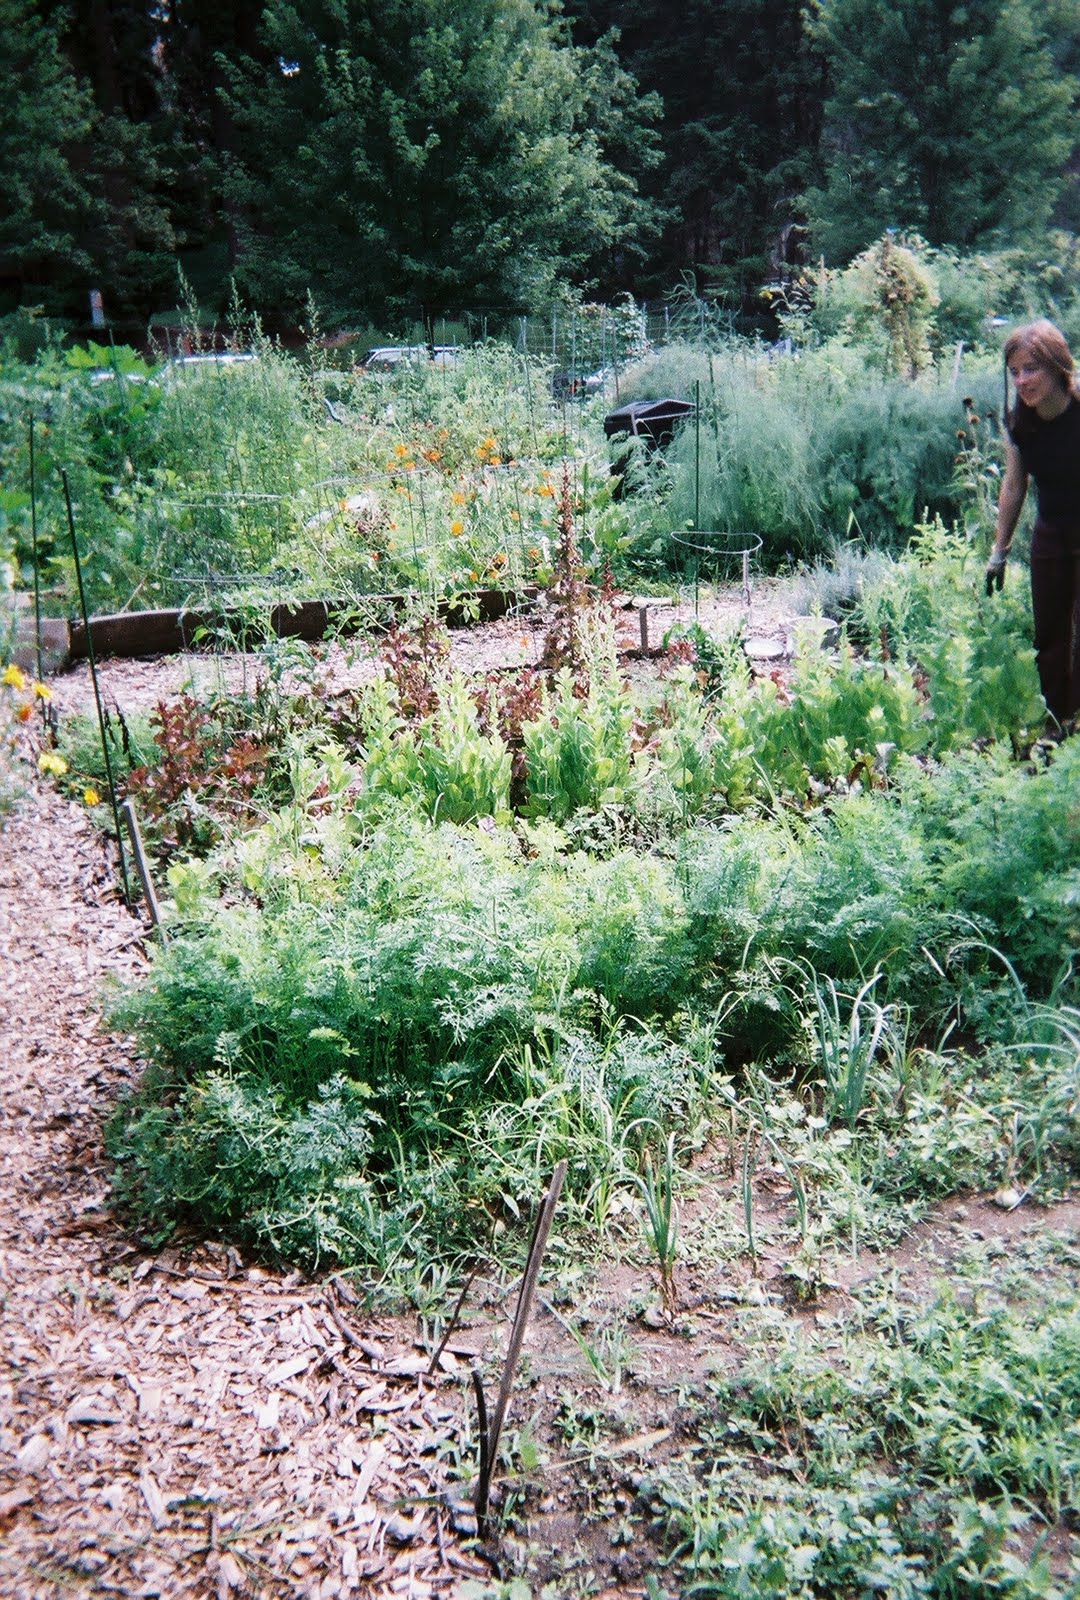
97 691
34 547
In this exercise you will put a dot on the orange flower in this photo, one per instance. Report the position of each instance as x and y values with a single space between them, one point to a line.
457 529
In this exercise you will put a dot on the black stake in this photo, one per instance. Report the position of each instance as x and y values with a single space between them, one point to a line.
97 691
697 452
34 547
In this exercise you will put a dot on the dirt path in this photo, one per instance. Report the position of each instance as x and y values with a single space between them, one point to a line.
170 1425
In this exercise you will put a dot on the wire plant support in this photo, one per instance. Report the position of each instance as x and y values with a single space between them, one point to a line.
717 551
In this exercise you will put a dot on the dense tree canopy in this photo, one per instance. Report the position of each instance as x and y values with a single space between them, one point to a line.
741 88
420 152
468 154
45 115
954 120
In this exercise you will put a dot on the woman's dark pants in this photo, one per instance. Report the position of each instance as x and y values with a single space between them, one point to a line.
1055 602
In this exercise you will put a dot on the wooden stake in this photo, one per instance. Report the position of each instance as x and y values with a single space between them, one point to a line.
143 867
490 1435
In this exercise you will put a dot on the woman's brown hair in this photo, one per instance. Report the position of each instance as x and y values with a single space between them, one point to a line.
1049 347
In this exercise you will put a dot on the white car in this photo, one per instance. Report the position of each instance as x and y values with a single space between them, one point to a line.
385 357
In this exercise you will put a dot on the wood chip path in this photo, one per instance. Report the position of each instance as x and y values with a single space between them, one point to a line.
173 1424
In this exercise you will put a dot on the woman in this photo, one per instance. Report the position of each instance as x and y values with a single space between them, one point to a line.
1044 444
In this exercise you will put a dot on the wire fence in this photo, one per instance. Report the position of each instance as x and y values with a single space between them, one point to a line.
581 337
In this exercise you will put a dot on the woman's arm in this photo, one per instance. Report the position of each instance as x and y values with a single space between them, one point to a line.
1010 504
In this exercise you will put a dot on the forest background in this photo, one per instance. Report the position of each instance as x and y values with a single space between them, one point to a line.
421 159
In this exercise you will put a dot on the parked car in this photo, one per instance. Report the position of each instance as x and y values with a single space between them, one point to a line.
385 357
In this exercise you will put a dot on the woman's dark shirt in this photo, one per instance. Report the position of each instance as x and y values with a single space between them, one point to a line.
1050 452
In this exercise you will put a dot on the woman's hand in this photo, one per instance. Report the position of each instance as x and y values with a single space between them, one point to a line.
995 570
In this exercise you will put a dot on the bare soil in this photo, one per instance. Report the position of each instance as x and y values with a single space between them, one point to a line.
181 1422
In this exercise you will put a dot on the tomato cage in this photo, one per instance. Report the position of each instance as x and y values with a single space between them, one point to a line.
221 538
718 554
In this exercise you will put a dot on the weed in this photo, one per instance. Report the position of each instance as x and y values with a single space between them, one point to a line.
657 1187
910 1447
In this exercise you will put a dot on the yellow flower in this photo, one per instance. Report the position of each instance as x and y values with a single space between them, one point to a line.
457 529
515 516
42 692
91 797
13 677
457 498
401 450
546 490
53 765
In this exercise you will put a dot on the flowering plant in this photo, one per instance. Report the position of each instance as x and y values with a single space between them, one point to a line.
18 697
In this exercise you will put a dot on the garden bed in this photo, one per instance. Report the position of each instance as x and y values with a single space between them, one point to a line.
279 1435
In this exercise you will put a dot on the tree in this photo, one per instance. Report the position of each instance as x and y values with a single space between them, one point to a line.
131 145
45 118
952 120
420 153
742 90
198 39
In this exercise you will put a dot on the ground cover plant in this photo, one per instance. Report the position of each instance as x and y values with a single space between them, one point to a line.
903 1448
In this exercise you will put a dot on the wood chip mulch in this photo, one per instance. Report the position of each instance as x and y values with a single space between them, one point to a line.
176 1423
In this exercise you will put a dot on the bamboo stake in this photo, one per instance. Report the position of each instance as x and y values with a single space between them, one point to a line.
34 547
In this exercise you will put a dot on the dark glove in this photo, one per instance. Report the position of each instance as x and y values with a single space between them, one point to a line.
995 572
